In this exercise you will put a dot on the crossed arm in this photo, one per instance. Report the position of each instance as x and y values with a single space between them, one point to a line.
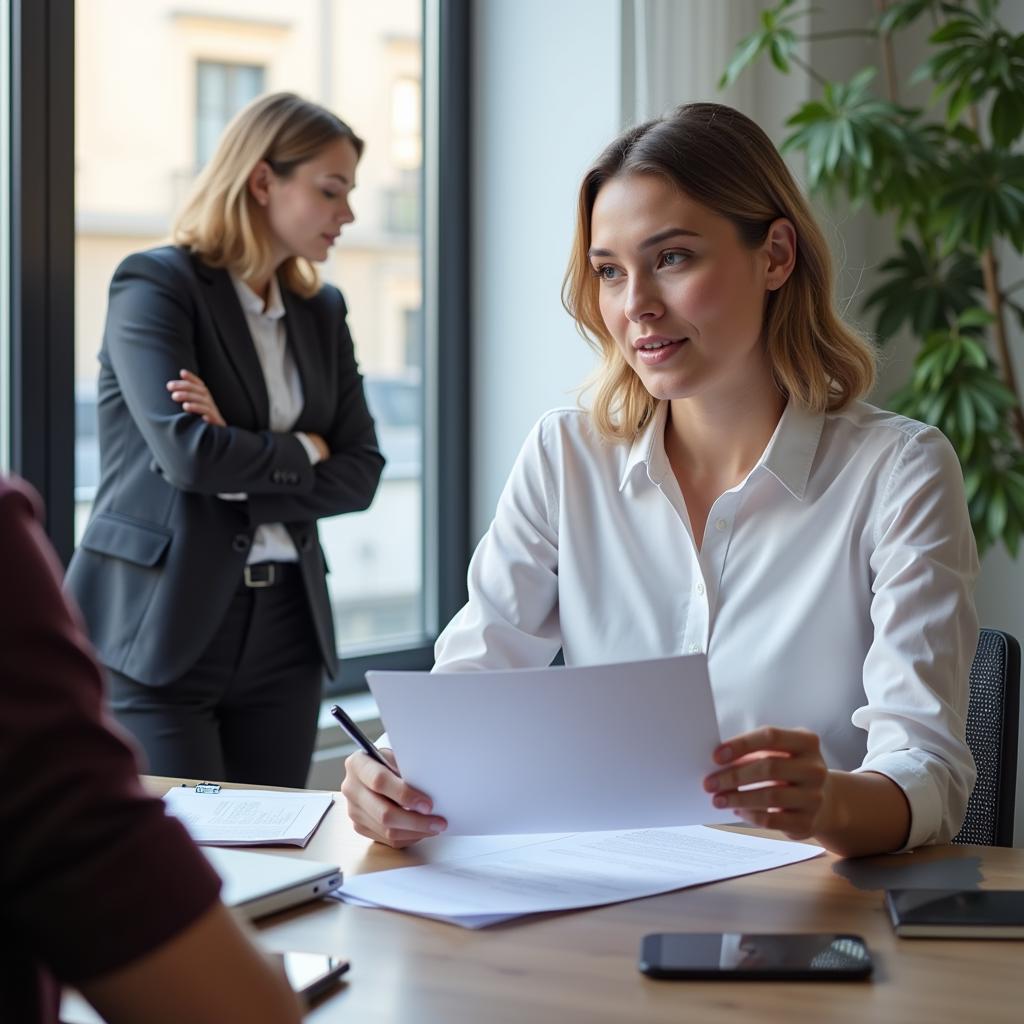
151 343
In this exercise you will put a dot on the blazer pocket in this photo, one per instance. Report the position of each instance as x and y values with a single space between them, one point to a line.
129 539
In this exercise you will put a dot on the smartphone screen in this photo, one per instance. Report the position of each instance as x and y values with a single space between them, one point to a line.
312 973
750 955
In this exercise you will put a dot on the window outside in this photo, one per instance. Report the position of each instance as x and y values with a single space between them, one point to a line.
221 90
155 85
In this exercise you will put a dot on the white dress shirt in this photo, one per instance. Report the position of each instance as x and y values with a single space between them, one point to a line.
832 590
271 541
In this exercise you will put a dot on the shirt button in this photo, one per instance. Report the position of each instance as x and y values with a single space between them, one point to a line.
694 648
700 589
720 524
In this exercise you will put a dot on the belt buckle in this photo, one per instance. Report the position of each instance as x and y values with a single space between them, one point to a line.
255 581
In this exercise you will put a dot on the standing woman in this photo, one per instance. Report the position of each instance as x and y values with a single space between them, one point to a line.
231 418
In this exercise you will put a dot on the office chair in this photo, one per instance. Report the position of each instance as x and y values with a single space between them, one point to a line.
992 717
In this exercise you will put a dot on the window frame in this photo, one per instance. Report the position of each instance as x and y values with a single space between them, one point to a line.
231 69
42 276
42 265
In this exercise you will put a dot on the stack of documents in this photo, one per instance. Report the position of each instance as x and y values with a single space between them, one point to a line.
248 817
522 761
475 882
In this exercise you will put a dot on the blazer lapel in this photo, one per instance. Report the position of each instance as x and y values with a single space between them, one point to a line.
234 334
300 327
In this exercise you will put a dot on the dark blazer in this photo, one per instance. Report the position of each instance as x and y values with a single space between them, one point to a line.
162 554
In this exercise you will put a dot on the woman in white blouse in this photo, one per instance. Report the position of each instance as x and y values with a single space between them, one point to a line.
729 493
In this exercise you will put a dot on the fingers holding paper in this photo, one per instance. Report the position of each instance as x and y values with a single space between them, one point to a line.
773 778
384 807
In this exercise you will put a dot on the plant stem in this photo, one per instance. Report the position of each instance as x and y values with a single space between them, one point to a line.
990 274
888 58
807 69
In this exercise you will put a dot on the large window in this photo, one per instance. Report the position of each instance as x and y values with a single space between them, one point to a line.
135 161
151 86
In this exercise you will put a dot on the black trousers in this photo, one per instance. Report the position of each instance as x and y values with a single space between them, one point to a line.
247 710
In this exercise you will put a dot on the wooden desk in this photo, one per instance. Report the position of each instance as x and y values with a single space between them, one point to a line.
581 965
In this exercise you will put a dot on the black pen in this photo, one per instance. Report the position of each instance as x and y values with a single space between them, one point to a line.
359 737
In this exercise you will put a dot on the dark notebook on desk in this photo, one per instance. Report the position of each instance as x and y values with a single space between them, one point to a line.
957 913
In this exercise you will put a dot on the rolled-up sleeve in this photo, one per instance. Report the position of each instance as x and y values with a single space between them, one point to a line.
916 673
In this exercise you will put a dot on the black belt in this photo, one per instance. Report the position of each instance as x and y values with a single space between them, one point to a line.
260 575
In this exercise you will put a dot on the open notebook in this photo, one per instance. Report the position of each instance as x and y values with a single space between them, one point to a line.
248 817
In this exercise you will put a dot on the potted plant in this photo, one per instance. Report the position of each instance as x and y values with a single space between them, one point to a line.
953 176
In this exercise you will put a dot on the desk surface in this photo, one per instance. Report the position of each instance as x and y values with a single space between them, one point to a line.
581 965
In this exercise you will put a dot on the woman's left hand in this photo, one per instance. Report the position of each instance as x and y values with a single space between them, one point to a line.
787 768
194 397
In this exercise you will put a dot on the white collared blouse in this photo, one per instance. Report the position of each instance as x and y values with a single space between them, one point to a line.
832 590
271 541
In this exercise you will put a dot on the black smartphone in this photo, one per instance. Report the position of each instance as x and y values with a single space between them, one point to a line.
312 974
755 957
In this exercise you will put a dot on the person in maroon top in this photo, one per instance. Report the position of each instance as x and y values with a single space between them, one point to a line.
99 888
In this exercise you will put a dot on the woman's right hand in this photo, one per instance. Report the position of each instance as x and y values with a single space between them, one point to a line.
384 807
194 396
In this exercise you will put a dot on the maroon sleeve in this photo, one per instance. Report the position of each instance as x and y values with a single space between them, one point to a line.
93 873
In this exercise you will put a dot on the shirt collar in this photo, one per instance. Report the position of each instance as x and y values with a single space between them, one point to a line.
252 304
648 449
788 457
794 444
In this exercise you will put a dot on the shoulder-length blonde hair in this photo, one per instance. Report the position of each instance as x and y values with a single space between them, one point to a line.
722 159
219 219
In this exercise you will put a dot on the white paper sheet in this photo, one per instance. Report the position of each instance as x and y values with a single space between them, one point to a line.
557 749
569 872
247 817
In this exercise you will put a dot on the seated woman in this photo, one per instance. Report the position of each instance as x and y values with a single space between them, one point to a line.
729 493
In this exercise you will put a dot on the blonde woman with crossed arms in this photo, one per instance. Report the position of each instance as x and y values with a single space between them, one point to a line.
231 418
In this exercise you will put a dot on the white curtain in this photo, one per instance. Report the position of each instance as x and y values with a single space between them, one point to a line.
674 51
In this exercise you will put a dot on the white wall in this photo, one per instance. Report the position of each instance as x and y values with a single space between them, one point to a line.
546 99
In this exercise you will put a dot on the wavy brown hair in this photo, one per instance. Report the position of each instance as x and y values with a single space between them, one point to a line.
220 221
721 158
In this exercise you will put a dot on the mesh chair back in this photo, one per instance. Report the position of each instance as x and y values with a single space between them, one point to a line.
992 736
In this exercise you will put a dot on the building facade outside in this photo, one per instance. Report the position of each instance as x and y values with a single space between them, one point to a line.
156 82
